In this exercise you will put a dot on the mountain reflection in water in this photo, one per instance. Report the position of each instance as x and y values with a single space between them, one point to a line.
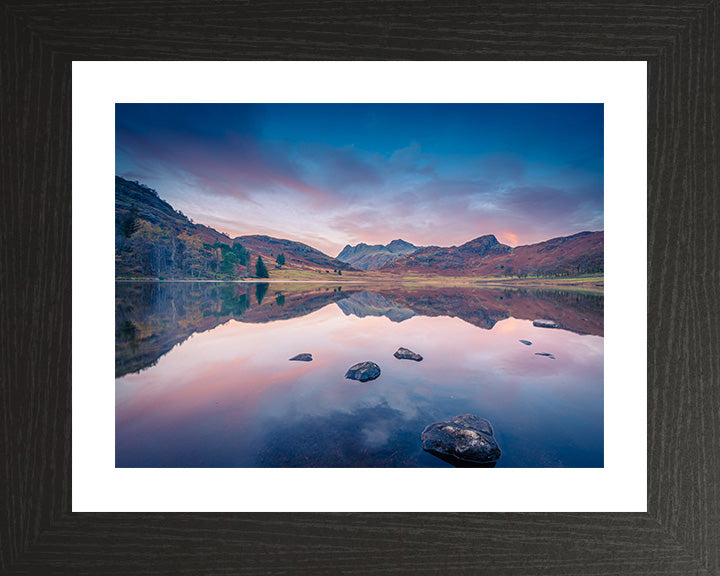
203 377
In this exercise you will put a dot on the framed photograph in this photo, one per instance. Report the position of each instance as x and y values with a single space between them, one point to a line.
376 222
410 335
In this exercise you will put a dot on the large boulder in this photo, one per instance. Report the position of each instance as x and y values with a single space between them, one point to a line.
466 437
405 354
363 371
304 357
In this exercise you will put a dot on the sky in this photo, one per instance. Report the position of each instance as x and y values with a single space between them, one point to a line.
329 175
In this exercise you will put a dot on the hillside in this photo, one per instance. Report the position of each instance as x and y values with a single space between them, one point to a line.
580 253
145 204
152 240
449 260
370 257
297 255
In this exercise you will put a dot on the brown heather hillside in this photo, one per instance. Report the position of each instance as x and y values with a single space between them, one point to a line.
298 256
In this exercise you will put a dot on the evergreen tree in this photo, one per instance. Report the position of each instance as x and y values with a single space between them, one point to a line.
240 252
260 270
129 223
280 260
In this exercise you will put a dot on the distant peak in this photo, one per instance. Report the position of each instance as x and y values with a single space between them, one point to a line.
484 239
399 242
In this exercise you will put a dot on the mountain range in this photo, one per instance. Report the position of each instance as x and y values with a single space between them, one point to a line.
581 253
369 257
152 240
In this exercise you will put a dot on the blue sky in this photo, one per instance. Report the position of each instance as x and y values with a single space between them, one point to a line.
336 174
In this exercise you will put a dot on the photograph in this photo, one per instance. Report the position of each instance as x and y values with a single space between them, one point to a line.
359 285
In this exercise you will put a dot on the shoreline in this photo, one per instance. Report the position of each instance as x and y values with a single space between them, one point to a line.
590 284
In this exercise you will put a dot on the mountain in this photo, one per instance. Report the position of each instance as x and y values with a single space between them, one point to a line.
580 253
152 239
366 257
452 260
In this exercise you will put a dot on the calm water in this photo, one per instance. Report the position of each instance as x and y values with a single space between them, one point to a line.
203 377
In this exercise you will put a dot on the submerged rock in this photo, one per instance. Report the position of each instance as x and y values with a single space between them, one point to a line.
466 437
304 357
363 371
405 354
544 323
545 354
526 342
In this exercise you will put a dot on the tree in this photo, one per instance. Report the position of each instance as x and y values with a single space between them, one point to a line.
280 260
229 262
129 223
260 270
240 252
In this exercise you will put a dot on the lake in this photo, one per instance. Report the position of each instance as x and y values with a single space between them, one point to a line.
203 377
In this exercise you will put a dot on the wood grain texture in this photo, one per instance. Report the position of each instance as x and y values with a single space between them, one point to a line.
681 532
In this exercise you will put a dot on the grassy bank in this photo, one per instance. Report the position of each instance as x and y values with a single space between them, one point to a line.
591 283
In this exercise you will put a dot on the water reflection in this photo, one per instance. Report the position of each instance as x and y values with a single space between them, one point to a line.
203 376
152 318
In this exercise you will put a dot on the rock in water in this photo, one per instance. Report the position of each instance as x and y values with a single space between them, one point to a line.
304 357
545 354
466 437
526 342
405 354
363 371
544 323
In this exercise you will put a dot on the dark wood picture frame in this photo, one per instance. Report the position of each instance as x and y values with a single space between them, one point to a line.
680 533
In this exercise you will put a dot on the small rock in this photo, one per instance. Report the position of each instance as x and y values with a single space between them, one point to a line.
304 357
544 323
363 371
466 437
405 354
526 342
545 354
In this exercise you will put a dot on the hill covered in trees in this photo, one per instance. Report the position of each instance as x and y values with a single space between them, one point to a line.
152 239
